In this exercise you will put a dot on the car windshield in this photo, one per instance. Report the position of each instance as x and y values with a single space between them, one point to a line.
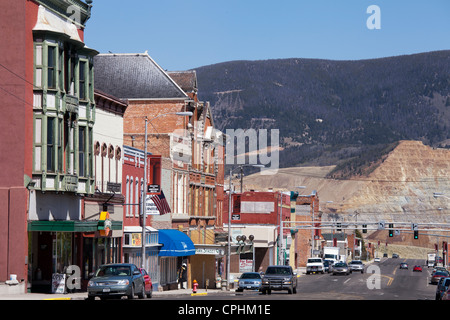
314 260
277 270
340 264
356 262
113 271
250 276
441 273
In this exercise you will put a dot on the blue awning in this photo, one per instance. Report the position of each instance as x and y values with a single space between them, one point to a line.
175 244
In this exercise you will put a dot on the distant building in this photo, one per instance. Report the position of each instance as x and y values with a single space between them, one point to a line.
256 214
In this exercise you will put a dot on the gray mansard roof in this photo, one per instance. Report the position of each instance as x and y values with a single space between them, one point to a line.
134 76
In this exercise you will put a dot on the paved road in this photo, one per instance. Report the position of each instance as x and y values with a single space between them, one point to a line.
381 281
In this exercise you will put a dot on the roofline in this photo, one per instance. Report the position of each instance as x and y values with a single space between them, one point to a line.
158 66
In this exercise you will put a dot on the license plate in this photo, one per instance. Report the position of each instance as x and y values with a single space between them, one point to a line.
248 287
106 290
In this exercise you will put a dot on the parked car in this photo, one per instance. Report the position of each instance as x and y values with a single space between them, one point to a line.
442 287
377 259
249 281
117 280
446 295
341 268
148 283
403 265
356 265
417 268
279 278
437 275
395 256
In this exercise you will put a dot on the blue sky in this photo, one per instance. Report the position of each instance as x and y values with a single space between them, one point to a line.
185 34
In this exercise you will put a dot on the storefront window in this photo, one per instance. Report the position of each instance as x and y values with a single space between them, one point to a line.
62 251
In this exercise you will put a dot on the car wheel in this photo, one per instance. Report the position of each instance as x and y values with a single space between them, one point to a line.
131 296
142 294
150 293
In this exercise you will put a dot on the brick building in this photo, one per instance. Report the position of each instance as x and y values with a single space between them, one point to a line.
256 214
304 241
49 111
191 149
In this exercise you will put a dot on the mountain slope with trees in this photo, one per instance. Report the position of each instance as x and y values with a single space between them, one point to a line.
329 112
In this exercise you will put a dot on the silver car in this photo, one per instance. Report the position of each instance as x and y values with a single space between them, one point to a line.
356 265
341 268
116 280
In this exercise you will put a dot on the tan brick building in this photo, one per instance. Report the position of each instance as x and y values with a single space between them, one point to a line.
191 149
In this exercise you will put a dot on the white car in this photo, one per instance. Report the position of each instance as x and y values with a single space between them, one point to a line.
356 265
377 260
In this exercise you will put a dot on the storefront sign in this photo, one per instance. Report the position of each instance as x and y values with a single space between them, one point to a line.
58 282
245 265
104 223
153 188
150 206
136 239
210 251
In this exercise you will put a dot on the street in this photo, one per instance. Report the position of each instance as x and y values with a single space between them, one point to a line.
391 283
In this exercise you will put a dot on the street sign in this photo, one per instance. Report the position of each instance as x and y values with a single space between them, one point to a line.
414 227
381 225
153 188
150 206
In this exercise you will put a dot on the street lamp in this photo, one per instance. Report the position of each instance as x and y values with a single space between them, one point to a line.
144 189
229 217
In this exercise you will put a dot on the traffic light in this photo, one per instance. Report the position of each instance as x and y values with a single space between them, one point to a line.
364 228
391 229
416 234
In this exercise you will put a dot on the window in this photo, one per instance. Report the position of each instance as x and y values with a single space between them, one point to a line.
82 80
81 151
37 144
60 145
51 64
50 144
38 65
90 155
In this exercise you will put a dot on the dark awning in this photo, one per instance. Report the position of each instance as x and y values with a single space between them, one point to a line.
175 244
69 226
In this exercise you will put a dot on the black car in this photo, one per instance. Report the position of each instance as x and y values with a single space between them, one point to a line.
279 278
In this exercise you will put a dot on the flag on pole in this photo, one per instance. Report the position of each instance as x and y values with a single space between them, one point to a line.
161 203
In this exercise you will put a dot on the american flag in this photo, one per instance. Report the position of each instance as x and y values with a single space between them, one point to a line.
161 203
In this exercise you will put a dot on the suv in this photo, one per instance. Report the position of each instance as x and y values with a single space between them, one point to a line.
279 278
315 265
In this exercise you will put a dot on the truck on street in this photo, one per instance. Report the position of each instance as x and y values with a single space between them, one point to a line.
315 265
279 278
431 260
331 254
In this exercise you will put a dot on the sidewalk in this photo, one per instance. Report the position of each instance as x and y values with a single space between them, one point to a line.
83 295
